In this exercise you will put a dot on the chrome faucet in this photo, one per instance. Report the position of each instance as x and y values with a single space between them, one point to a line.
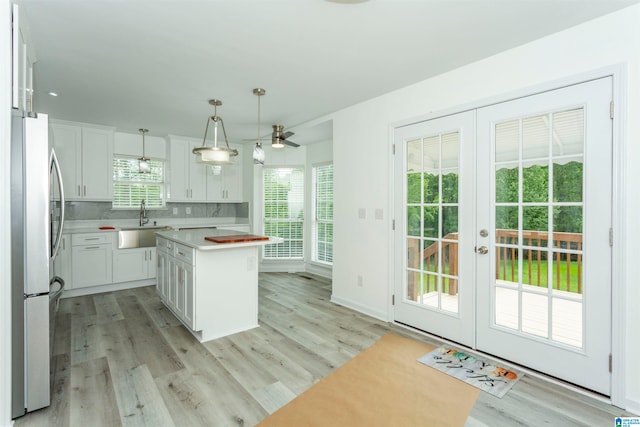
143 214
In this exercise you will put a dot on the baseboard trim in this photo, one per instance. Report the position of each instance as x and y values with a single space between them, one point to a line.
633 406
359 308
90 290
319 270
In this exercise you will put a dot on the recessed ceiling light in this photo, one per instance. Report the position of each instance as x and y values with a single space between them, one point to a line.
53 93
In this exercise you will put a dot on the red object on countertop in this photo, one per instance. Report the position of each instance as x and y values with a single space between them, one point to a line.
236 238
107 227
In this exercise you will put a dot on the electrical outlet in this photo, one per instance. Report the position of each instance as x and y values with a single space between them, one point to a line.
362 213
175 211
188 210
359 281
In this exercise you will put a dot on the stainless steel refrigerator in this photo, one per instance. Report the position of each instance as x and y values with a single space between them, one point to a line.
37 219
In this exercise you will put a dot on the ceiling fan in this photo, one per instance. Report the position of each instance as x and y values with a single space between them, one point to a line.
279 137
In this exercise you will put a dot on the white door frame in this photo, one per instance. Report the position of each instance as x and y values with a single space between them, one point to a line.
619 197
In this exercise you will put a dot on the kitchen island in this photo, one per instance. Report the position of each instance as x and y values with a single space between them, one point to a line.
211 287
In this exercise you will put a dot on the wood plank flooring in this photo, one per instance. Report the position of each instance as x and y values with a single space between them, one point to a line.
122 358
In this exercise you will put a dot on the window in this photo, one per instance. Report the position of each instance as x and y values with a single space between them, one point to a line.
131 186
284 212
322 248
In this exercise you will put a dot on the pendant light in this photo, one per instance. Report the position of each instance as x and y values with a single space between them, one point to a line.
258 152
143 162
215 155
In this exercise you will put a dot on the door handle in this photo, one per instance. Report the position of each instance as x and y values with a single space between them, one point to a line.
482 250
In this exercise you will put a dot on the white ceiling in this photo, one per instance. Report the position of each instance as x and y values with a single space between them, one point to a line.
155 63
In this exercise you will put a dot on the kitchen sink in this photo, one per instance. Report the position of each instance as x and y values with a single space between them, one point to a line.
139 237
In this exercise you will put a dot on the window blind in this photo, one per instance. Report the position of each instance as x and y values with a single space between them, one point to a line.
284 212
130 186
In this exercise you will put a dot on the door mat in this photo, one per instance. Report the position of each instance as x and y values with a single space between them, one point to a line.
384 385
477 371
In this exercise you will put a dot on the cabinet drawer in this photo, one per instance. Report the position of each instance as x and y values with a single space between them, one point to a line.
91 239
164 245
183 253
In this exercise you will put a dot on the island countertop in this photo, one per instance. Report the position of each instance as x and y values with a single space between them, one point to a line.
195 238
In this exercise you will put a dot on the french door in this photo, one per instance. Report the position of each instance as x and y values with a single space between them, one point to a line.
532 270
435 278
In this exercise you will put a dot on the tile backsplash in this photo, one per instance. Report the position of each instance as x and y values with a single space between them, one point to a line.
81 210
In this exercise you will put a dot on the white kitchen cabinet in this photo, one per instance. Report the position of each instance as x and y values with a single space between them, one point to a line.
22 60
62 262
175 279
227 186
92 262
134 264
86 160
187 177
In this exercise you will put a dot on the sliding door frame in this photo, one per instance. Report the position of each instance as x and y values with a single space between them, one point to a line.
619 200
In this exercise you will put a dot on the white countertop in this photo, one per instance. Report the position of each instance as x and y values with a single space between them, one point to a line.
196 239
93 226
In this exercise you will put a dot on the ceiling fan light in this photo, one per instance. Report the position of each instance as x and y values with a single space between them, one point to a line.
276 143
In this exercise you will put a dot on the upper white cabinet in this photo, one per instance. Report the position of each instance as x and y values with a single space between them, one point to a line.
86 160
227 186
187 177
22 59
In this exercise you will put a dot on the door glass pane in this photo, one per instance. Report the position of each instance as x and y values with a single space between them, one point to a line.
413 220
568 132
414 190
507 140
567 180
449 221
430 255
507 183
413 286
535 314
413 253
430 295
450 187
535 219
535 268
431 160
506 307
431 188
567 321
535 137
450 143
414 154
506 224
535 182
431 221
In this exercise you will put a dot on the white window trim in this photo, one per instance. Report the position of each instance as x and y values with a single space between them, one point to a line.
315 221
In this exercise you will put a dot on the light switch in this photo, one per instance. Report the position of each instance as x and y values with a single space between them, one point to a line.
188 210
379 213
362 213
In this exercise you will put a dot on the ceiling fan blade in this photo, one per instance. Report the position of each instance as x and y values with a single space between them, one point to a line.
291 143
287 135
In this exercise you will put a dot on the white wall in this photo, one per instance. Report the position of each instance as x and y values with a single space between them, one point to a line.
130 144
363 178
5 221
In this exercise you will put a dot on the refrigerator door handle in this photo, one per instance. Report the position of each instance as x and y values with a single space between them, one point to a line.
56 294
54 164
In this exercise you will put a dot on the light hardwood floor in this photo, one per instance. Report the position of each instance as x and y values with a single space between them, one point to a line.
122 358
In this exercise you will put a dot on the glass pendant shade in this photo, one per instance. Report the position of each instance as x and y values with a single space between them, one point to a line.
143 165
258 154
215 154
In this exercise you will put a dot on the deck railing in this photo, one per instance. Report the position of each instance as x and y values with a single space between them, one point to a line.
567 267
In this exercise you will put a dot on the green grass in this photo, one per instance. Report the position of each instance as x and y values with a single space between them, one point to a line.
573 274
525 276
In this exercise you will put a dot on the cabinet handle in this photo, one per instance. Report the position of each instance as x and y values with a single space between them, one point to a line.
186 193
145 255
79 193
92 247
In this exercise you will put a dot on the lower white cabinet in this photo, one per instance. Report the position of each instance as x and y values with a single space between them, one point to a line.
92 259
134 264
175 283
